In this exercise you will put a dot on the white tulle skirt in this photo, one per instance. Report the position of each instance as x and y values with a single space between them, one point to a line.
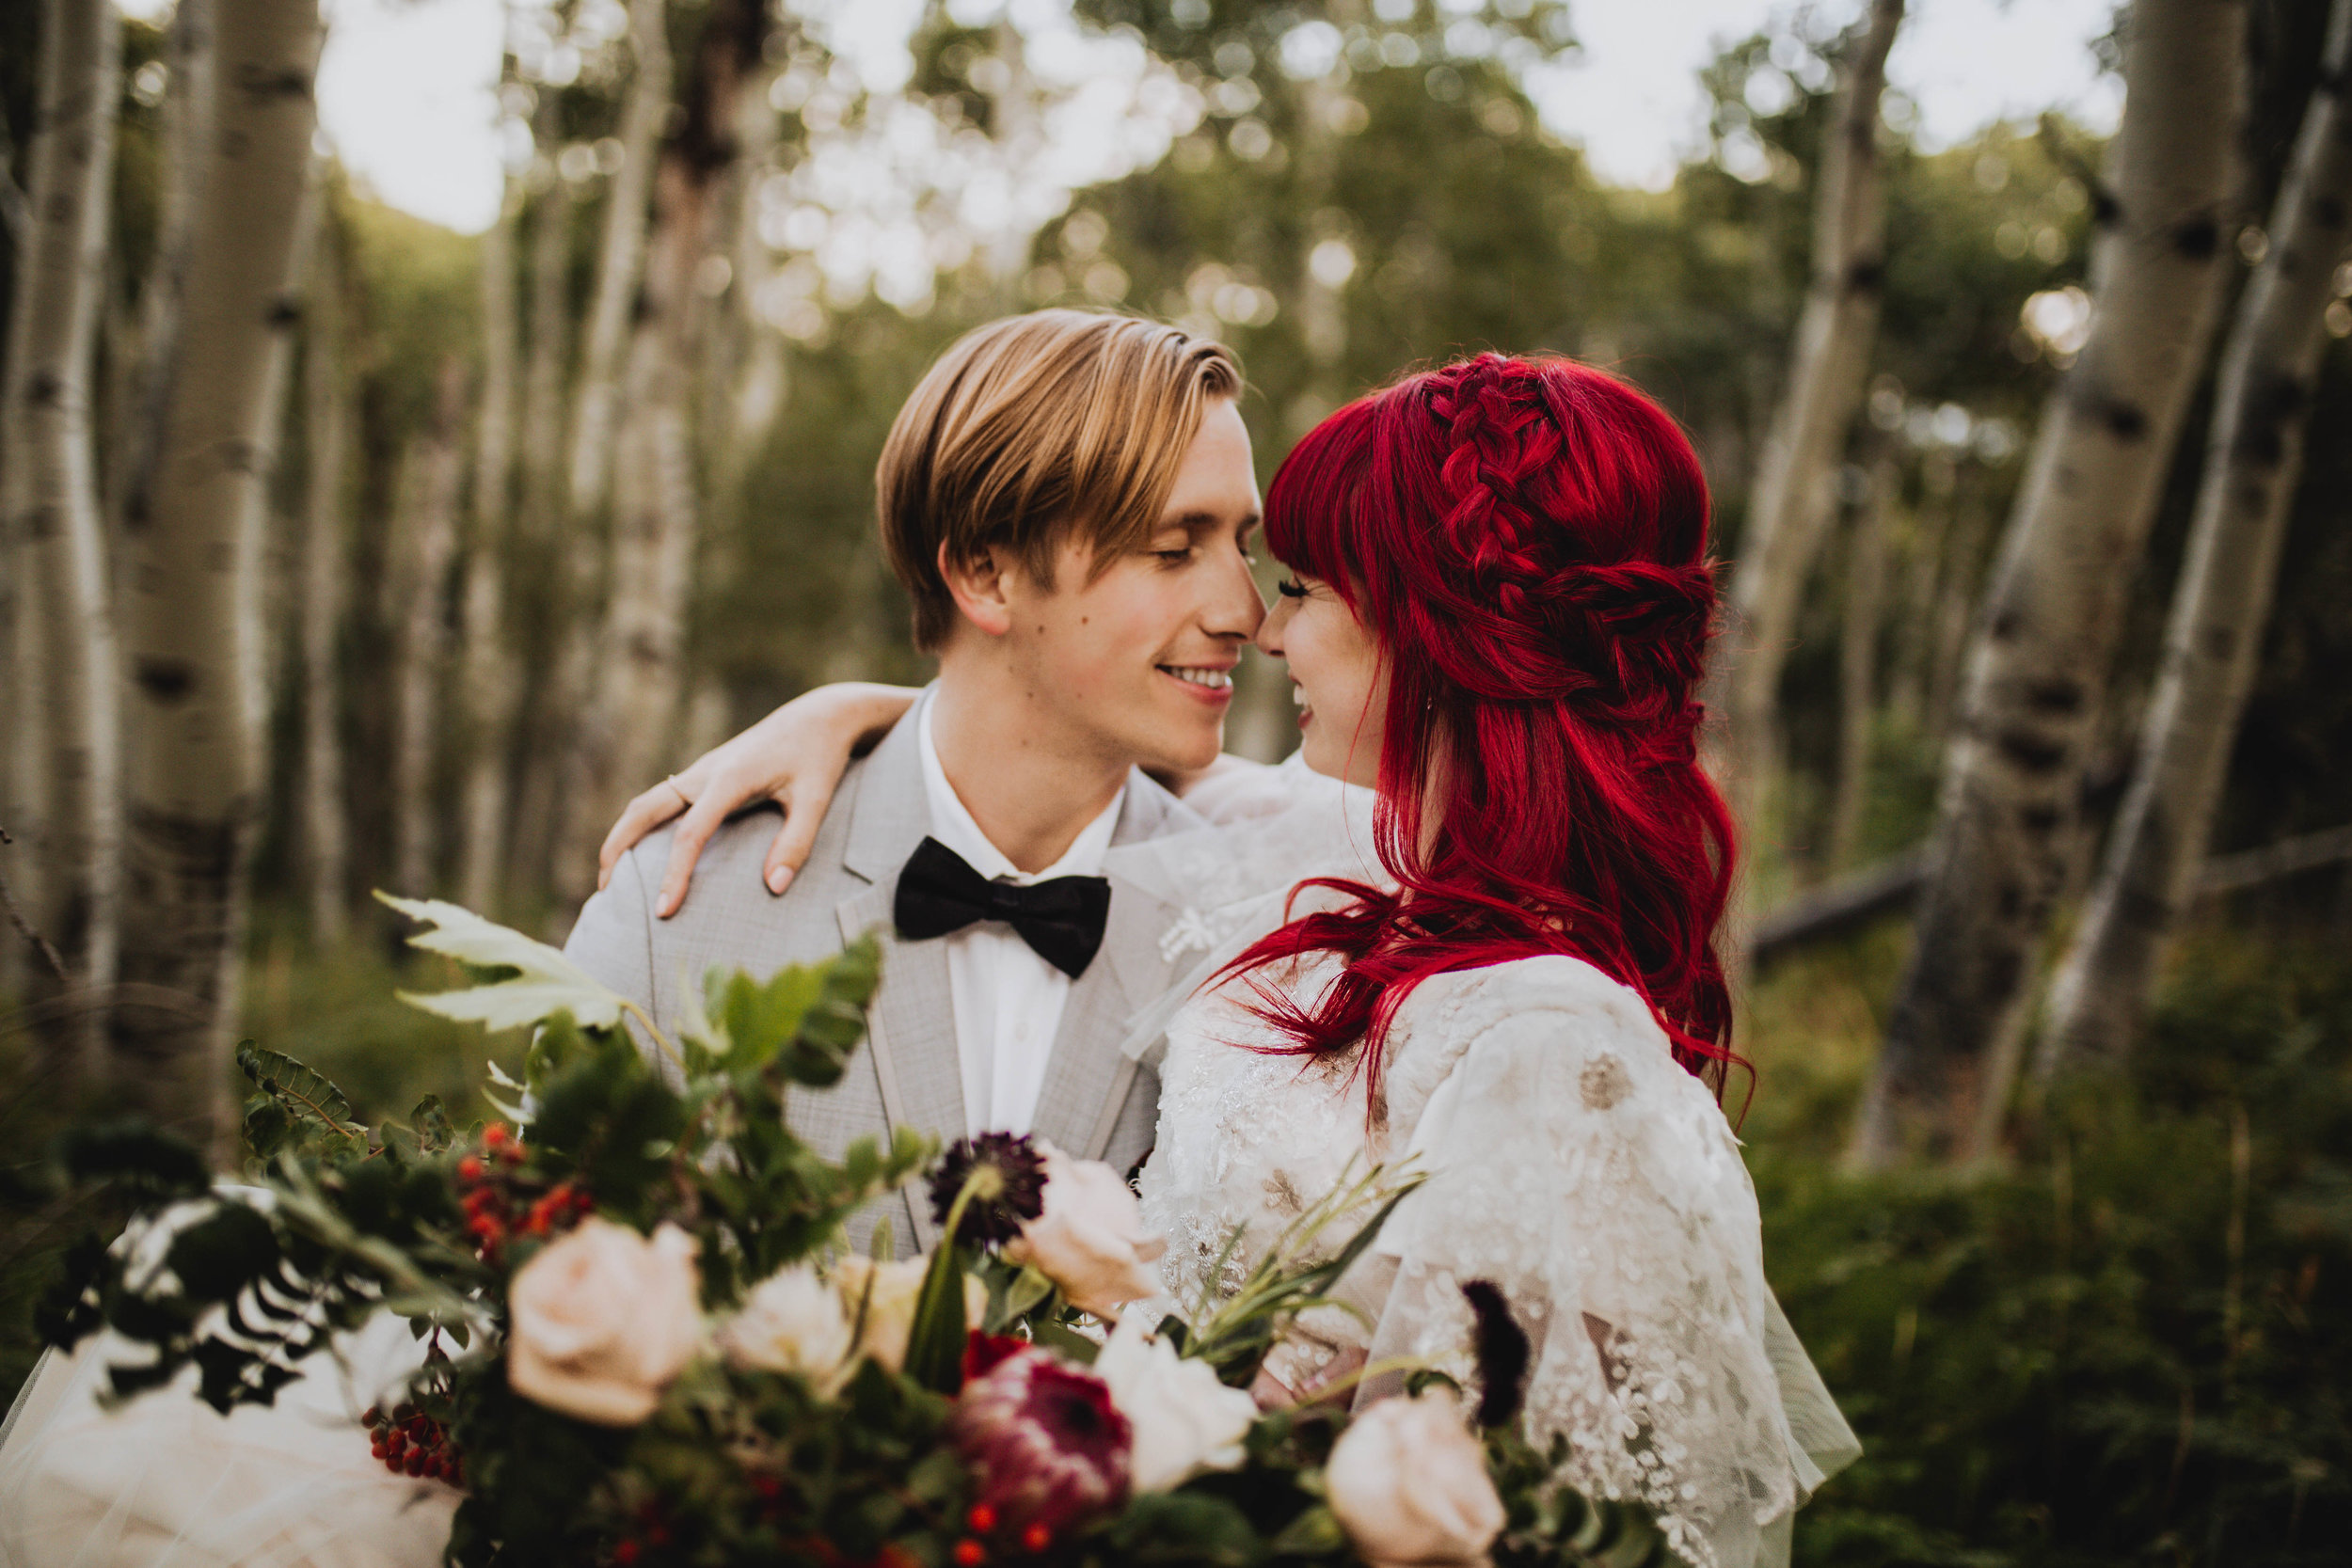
166 1482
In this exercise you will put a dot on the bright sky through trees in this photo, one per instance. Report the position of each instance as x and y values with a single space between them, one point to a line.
406 88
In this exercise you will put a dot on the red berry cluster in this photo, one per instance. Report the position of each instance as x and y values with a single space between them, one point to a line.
408 1442
982 1522
503 1201
652 1535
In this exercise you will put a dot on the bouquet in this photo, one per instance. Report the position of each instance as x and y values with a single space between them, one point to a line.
646 1337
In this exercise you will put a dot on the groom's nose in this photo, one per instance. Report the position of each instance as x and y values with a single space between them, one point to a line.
1233 607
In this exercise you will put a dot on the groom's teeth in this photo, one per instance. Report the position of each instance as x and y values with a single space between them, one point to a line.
1216 680
1299 696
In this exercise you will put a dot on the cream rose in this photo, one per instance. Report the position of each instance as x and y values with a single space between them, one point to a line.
793 1322
888 1293
1409 1484
602 1319
1186 1422
1090 1240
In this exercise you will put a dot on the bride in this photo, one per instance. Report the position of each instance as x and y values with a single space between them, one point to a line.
1496 619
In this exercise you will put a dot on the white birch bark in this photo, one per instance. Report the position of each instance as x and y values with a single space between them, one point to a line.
1794 504
595 440
628 734
2253 456
188 127
542 451
488 687
327 417
620 259
49 509
1857 661
427 514
2046 630
190 592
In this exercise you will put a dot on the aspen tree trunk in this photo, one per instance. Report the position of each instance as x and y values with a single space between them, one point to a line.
545 722
427 517
2046 630
190 592
550 322
629 731
614 303
1857 660
326 423
1793 503
188 115
488 685
620 259
49 508
2253 455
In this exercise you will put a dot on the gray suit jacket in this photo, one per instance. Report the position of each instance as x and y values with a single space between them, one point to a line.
1098 1103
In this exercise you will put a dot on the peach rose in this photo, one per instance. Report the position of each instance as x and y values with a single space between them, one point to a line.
1090 1240
1409 1484
601 1321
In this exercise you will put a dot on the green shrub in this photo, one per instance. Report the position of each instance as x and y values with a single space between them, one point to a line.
2133 1343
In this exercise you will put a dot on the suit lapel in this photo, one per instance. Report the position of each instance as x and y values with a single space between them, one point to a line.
912 1027
1087 1062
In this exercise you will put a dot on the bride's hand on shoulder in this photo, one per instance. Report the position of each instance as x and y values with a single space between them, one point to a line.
795 756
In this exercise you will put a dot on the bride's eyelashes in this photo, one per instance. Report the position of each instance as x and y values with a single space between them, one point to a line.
1291 588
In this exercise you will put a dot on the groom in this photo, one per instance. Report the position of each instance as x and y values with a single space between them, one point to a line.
1067 498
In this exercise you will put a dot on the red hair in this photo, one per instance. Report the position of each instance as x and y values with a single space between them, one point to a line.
1526 540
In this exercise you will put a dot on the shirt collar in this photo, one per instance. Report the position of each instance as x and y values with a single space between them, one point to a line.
952 824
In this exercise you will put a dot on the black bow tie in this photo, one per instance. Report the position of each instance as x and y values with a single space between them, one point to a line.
1061 918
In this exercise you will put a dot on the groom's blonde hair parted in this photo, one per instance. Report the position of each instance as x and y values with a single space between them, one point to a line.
1035 427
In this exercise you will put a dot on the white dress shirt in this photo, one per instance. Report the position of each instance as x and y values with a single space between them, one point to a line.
1008 1001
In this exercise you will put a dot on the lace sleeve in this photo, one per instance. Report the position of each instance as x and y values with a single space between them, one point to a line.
1577 1168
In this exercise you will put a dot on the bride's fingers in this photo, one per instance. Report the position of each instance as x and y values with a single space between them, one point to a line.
641 817
790 849
695 829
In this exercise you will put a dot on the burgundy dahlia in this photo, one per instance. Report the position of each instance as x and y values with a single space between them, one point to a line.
1045 1444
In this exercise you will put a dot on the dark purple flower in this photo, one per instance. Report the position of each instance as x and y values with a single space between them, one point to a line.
1044 1442
1011 1190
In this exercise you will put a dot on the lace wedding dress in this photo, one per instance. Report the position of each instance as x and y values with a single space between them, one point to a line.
1571 1161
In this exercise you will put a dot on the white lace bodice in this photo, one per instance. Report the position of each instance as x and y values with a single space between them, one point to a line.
1573 1163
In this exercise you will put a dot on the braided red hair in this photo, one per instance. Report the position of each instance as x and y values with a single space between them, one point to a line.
1526 539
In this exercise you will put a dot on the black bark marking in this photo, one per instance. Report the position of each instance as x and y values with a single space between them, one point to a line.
263 83
2041 819
2106 210
2058 697
2125 421
285 312
44 389
167 680
2198 238
2221 642
2327 211
2031 752
1866 276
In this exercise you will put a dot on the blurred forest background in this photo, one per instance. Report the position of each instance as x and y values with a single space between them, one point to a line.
344 552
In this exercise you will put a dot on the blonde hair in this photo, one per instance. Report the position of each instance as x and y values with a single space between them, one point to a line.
1034 426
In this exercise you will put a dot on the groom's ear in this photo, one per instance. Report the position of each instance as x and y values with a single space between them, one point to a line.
979 586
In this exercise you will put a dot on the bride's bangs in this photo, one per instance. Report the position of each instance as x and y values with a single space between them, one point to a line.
1313 523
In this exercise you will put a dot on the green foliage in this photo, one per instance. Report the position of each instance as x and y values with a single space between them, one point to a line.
543 984
1296 1273
1550 1526
2132 1342
294 1107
